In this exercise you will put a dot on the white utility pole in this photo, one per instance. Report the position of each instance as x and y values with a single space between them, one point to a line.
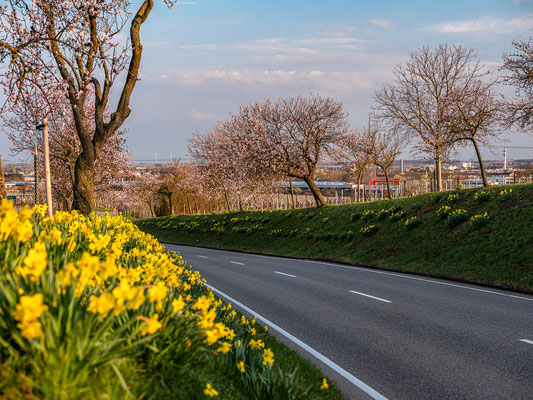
48 181
505 154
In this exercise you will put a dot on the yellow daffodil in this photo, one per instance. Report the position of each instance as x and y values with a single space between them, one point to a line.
268 357
210 390
157 292
177 305
101 304
152 325
240 366
35 262
224 347
257 344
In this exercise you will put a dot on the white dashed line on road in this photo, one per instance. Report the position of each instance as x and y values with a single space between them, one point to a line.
527 341
283 273
235 262
198 255
372 297
419 279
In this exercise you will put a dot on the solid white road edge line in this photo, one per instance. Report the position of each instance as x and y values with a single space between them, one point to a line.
235 262
198 255
341 371
372 297
527 341
283 273
419 279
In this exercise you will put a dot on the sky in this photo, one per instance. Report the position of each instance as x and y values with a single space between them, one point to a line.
203 59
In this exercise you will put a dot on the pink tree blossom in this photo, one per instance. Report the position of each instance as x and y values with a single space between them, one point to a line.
72 48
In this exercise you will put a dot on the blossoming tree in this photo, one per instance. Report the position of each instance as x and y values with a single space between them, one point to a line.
71 48
19 124
292 135
229 164
520 67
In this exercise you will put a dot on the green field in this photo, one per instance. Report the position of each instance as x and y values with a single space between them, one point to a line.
431 234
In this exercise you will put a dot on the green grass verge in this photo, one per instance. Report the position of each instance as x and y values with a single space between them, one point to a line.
416 234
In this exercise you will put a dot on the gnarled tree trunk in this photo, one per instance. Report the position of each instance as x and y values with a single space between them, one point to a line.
84 183
481 165
319 199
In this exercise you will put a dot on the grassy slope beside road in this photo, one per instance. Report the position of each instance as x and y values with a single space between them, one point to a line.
431 234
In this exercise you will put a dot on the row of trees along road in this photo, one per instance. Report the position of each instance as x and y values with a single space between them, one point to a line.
441 98
69 53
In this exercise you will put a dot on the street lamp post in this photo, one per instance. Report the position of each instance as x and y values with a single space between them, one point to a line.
47 180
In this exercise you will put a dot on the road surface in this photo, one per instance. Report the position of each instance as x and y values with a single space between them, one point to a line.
384 335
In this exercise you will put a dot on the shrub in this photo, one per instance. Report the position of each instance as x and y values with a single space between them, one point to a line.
356 216
411 223
506 194
276 233
482 196
444 212
457 217
452 198
368 215
479 220
369 230
396 208
384 214
397 216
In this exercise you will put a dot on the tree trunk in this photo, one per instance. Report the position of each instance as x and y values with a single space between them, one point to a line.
196 208
481 166
359 176
170 203
3 193
438 173
227 201
319 199
385 170
151 208
188 204
84 183
292 192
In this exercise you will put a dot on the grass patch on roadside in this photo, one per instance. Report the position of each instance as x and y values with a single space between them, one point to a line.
482 235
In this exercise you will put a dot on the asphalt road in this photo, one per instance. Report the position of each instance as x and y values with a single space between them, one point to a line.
404 336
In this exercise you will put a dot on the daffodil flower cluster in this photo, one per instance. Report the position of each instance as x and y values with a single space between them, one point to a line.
76 285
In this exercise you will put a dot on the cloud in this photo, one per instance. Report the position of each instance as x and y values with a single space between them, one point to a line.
282 45
258 80
485 25
336 31
201 115
209 46
384 23
328 41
